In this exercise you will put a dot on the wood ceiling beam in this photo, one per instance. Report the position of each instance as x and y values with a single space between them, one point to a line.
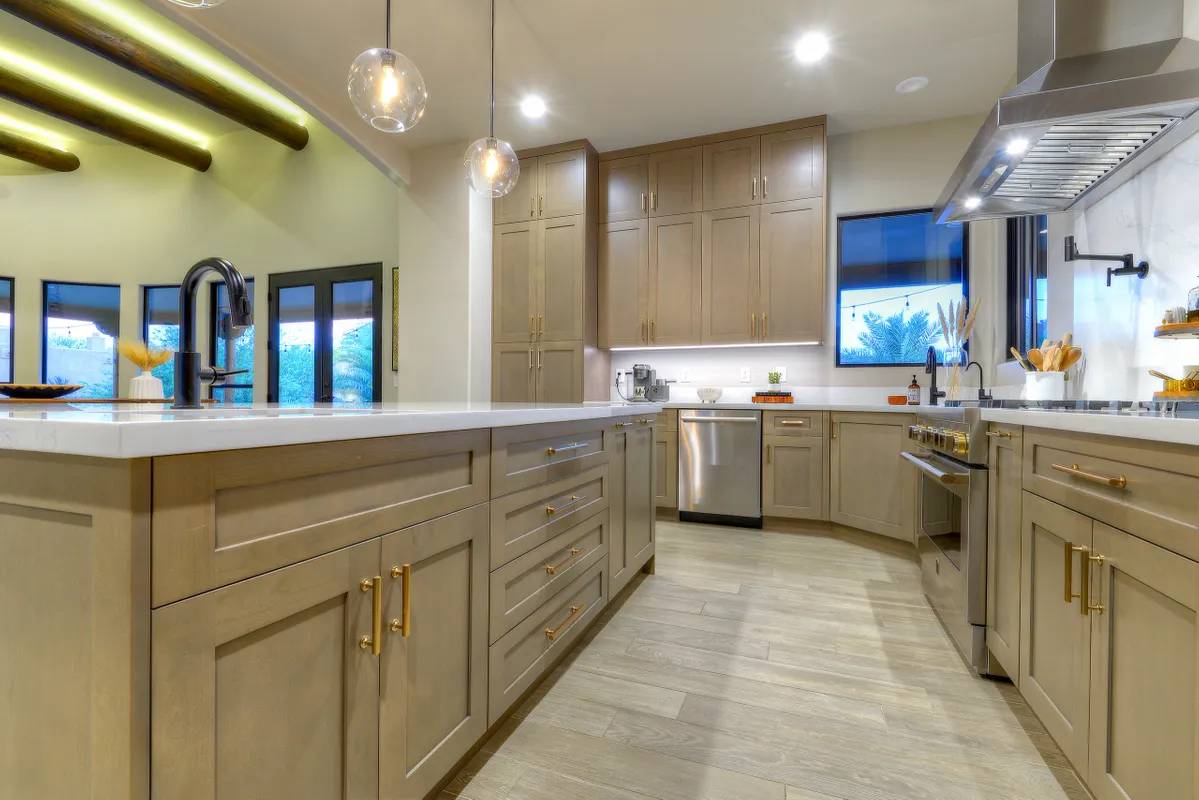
104 39
32 152
22 89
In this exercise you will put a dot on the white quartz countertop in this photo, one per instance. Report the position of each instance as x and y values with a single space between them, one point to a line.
137 431
809 406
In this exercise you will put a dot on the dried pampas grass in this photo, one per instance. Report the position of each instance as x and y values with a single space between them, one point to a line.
142 356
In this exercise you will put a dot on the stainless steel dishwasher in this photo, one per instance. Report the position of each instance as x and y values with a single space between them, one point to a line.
720 466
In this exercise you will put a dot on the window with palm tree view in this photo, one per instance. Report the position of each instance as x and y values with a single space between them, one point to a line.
892 271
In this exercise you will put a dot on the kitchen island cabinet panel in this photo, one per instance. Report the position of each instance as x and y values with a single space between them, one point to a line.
666 467
870 486
631 504
1004 536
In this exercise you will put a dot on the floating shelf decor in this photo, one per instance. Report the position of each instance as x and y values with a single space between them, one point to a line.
1177 330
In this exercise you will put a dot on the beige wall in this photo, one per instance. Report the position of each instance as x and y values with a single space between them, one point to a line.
131 218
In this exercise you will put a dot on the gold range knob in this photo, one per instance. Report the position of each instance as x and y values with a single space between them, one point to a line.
961 444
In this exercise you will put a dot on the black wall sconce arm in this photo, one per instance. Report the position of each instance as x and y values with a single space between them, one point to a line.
1140 270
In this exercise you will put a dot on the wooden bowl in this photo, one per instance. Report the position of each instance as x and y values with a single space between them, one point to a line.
38 391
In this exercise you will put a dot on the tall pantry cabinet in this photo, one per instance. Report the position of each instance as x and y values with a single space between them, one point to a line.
544 290
715 240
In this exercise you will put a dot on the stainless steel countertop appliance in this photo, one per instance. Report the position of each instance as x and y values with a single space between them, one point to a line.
644 385
720 466
950 457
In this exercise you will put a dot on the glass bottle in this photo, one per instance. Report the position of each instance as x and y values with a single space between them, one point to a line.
914 392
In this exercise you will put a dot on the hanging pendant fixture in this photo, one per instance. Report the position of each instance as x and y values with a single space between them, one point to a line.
492 167
386 88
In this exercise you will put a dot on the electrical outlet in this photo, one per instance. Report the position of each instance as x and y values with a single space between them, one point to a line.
685 375
745 377
782 371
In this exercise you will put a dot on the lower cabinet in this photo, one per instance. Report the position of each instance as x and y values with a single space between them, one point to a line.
666 469
1004 534
870 486
630 470
512 373
794 470
1110 653
303 682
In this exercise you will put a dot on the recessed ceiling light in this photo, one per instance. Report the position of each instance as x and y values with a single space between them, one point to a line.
972 203
912 84
1016 146
811 47
532 107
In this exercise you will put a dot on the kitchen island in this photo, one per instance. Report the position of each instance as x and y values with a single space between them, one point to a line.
271 602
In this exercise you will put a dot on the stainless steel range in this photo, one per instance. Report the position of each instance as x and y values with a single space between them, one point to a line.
951 539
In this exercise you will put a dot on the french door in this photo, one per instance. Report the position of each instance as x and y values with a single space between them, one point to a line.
325 341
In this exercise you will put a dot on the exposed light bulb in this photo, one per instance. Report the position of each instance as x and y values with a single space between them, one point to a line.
1016 146
387 90
492 167
389 85
811 47
491 164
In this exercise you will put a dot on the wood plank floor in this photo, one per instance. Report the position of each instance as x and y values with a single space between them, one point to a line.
772 665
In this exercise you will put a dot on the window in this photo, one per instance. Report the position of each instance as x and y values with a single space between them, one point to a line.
892 271
1027 281
80 323
160 329
325 336
239 388
6 327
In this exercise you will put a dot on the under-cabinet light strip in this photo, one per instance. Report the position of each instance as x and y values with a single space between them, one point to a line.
151 34
61 81
35 132
712 346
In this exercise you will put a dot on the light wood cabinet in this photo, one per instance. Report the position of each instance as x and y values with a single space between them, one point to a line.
793 164
666 468
794 483
732 172
1144 684
1004 535
559 372
520 204
267 679
624 189
631 507
514 266
870 487
1055 638
730 288
624 283
433 682
791 294
676 181
674 288
558 283
513 376
551 185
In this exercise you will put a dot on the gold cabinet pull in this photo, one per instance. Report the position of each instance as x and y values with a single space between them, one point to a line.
1118 482
552 510
552 569
643 201
566 448
554 633
769 453
1069 549
763 187
643 332
623 425
753 192
765 326
999 434
652 335
532 326
1087 605
538 358
532 206
373 642
403 625
653 201
753 326
646 420
541 325
540 204
798 423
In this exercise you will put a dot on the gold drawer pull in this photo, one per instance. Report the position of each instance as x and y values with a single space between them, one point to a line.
553 451
554 633
1119 482
999 434
1068 593
1087 605
552 569
623 425
373 642
646 421
798 423
552 510
403 625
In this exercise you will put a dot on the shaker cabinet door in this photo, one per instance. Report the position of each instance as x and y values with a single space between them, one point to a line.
676 182
791 273
261 688
520 204
1004 536
624 189
674 266
870 486
623 283
633 503
559 371
514 264
562 184
513 373
731 173
793 477
1144 710
558 283
793 164
666 469
1055 636
730 275
433 686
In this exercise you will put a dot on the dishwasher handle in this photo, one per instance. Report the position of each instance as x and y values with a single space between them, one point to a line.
746 420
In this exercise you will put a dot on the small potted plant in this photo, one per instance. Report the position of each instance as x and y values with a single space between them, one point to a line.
775 377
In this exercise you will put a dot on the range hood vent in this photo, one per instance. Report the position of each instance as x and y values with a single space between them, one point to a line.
1107 87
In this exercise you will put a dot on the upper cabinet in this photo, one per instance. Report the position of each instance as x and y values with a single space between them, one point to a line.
553 185
757 272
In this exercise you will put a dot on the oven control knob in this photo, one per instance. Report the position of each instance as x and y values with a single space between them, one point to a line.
961 444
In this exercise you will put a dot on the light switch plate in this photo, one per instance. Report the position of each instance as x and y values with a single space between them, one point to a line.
685 375
745 378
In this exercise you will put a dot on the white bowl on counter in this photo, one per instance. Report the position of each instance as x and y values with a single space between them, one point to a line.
709 394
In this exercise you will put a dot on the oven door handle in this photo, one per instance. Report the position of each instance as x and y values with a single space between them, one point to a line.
926 466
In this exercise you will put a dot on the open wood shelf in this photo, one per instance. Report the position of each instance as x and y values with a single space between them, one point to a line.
1177 330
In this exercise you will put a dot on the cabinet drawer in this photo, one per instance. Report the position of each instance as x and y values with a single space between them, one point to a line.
527 652
793 423
519 587
529 455
224 516
1150 489
528 518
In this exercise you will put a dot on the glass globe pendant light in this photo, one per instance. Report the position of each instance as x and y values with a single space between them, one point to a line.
492 167
386 88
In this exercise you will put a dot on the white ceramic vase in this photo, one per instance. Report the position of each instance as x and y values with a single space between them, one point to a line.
145 387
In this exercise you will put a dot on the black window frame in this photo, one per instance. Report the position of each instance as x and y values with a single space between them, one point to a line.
214 290
46 283
837 302
12 326
145 306
322 281
1027 260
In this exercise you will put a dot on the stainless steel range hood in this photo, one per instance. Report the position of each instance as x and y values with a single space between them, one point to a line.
1105 87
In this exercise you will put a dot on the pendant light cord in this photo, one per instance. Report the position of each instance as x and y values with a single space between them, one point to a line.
492 69
387 33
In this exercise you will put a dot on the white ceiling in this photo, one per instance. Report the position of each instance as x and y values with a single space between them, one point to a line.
626 72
